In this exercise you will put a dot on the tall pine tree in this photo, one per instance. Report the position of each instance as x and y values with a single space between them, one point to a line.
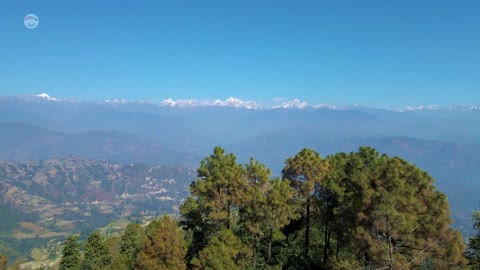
393 216
266 208
71 256
473 251
164 247
305 171
97 255
219 184
131 243
216 196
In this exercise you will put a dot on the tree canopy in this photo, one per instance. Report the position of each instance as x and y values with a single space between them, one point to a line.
350 210
473 251
71 256
96 253
358 210
163 248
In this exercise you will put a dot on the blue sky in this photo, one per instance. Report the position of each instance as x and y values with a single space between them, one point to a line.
375 53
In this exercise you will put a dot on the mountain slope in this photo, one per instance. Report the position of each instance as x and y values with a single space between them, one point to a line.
24 142
57 197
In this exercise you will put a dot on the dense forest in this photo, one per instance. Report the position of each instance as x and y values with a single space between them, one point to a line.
358 210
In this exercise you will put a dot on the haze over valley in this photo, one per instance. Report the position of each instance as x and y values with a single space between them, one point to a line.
39 131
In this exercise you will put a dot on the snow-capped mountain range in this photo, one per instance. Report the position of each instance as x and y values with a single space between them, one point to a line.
233 102
229 102
47 97
423 108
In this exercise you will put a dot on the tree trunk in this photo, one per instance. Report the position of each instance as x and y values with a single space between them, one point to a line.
367 261
228 216
390 247
255 254
328 234
336 253
270 239
326 243
307 228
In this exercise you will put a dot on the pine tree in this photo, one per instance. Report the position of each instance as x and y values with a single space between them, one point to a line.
219 184
224 251
118 259
119 262
278 210
113 243
267 206
196 224
305 172
163 247
473 251
257 183
97 255
216 198
71 256
131 243
393 216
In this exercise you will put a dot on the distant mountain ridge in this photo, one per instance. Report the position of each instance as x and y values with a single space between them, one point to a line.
25 142
202 127
234 102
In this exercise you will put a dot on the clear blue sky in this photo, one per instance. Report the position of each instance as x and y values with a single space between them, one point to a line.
376 53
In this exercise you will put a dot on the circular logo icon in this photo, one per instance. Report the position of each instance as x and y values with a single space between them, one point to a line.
31 21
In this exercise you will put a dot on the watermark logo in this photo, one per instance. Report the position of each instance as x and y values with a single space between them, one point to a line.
31 21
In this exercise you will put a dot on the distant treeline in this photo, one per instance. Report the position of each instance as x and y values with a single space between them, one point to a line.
359 210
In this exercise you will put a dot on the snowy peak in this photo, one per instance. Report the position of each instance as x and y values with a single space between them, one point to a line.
454 108
293 104
169 102
464 108
338 107
116 101
298 104
229 102
236 103
239 103
422 108
47 97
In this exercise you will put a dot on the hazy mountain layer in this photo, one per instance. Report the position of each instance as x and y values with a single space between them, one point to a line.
444 143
